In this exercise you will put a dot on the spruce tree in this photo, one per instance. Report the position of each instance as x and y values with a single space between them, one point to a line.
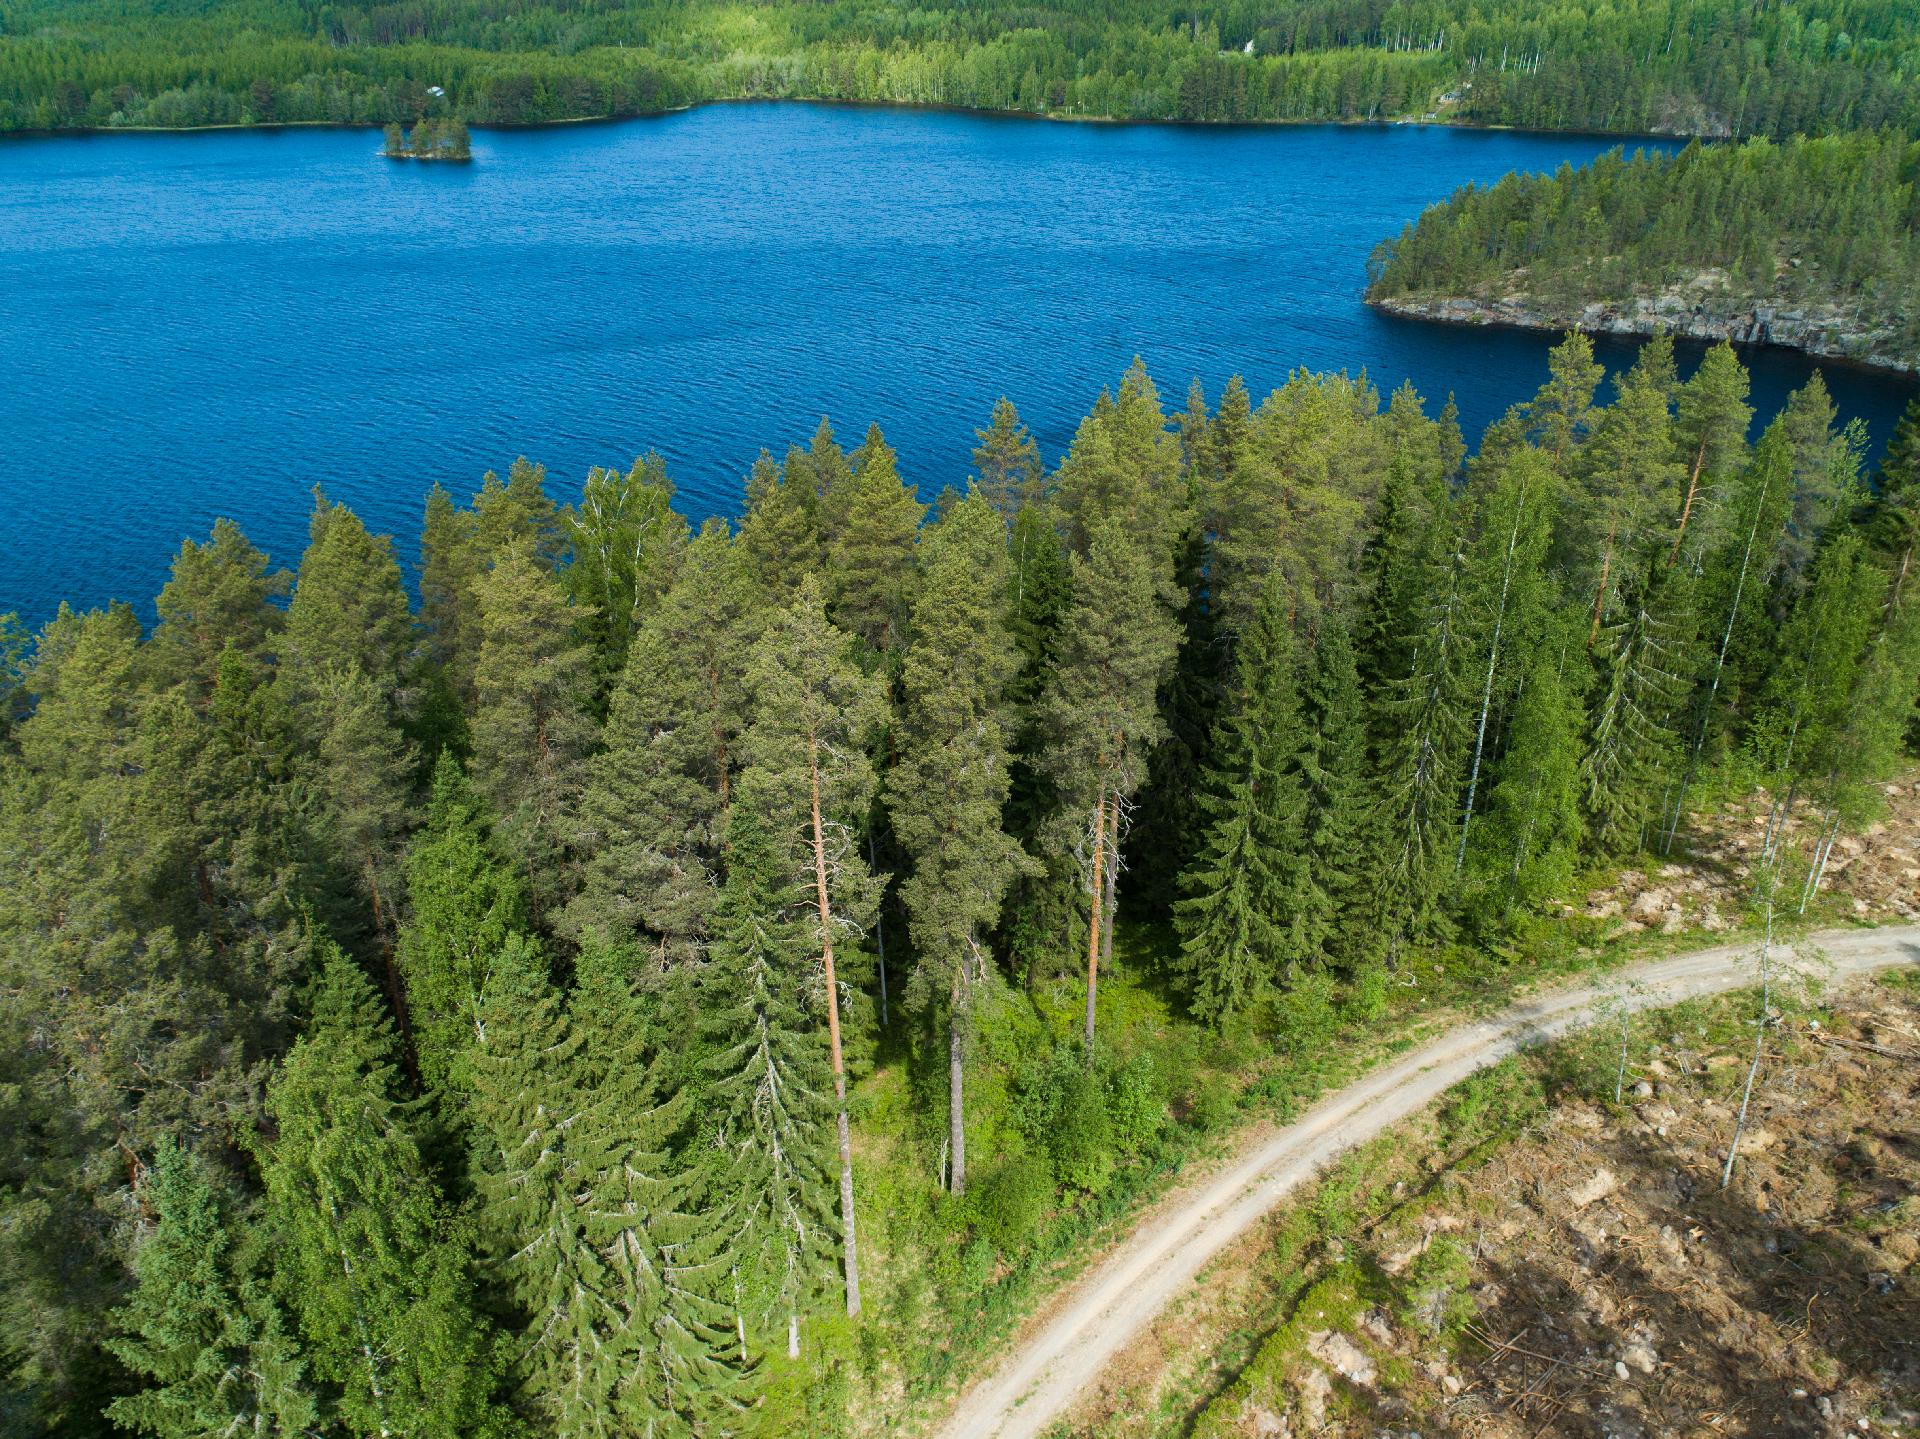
201 1328
652 817
811 783
1893 521
1632 741
1526 849
1240 921
948 789
382 1297
766 1183
1335 784
870 552
467 904
531 726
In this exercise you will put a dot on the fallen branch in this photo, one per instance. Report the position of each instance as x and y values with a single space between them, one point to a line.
1905 1054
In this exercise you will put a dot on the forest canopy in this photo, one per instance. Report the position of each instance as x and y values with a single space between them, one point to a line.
457 1018
1705 67
1829 223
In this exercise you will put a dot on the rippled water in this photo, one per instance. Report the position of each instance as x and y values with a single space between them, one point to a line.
195 326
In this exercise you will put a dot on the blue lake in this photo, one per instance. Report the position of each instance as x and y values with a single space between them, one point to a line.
207 325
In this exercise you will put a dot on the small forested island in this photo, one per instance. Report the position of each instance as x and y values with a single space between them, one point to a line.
690 980
1709 67
429 140
1813 243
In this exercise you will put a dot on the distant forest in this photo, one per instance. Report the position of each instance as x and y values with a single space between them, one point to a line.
681 981
1833 220
1705 67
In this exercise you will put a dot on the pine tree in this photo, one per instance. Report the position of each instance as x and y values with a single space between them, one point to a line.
451 563
1117 647
382 1298
780 536
1558 415
1006 463
948 789
366 776
1240 922
518 514
201 1328
652 817
349 608
810 781
220 593
870 552
1710 427
1124 465
531 729
765 1166
1628 478
467 906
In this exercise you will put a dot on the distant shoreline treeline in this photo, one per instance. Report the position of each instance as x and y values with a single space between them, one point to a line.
1812 244
1721 68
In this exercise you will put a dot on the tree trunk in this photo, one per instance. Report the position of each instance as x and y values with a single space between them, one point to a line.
396 991
1759 1038
833 1039
1486 692
1693 488
1600 595
793 1335
1719 668
956 1085
879 931
1113 886
1093 925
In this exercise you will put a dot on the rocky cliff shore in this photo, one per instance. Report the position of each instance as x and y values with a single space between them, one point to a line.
1829 331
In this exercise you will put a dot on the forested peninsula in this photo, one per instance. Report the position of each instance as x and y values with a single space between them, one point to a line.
1811 243
686 980
1704 67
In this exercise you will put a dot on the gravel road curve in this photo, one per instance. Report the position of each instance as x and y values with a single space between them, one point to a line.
1037 1382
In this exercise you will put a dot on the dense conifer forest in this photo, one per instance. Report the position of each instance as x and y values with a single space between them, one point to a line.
1707 67
660 983
1829 225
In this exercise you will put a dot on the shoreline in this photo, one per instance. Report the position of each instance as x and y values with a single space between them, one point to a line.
1624 137
1748 328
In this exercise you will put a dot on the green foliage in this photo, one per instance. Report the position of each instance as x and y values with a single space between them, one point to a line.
1804 223
1713 69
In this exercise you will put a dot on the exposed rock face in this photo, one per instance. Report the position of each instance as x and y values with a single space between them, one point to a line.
1697 311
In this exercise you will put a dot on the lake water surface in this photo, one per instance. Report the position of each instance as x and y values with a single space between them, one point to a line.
206 325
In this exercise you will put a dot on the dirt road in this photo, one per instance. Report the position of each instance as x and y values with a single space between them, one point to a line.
1036 1384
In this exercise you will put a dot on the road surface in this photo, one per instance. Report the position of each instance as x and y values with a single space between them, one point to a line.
1038 1381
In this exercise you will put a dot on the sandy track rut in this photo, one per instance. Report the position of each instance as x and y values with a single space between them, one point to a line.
1037 1382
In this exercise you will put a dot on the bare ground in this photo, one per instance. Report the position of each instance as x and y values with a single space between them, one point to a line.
1591 1277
